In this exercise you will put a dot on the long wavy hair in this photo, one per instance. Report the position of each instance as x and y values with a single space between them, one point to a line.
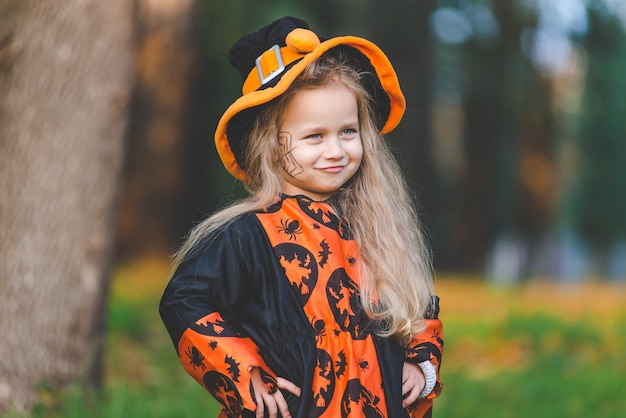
396 275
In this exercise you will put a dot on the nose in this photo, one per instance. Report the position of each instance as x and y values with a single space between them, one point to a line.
334 148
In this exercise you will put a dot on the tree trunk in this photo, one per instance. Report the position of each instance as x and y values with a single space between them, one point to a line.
64 88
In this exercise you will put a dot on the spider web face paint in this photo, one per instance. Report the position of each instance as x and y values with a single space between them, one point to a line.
287 160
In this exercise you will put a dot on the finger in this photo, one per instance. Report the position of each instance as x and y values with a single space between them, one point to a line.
258 399
408 384
282 405
259 407
288 386
408 371
411 397
406 388
270 405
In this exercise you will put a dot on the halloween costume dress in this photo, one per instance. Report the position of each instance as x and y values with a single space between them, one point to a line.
279 290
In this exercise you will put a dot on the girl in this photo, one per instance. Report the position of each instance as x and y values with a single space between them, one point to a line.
313 297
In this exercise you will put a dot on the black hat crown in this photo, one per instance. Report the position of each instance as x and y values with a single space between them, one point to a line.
245 51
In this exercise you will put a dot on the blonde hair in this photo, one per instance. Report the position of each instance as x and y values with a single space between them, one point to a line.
396 282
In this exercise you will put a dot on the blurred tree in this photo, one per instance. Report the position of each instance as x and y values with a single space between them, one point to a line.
600 195
508 122
160 178
64 88
489 175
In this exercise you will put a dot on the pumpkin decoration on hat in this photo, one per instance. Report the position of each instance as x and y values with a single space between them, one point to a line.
270 59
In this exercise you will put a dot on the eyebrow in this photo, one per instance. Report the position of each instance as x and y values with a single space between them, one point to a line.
317 128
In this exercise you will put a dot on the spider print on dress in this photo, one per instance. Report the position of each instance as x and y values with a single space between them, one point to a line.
291 228
196 358
319 327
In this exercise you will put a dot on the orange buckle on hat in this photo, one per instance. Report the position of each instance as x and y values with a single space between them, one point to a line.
269 65
272 60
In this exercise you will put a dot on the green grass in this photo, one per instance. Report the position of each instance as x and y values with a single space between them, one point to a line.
535 365
507 354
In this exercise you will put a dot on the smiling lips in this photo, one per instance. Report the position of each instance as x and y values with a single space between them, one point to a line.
333 169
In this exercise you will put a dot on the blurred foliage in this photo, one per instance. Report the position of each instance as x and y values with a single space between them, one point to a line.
539 350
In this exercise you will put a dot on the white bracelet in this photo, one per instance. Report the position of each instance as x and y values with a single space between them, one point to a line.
430 374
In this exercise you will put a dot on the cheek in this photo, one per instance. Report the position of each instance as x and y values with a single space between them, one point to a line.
356 152
289 158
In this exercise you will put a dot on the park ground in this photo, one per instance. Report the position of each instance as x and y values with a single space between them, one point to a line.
540 349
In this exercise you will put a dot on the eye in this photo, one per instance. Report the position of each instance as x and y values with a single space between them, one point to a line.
349 131
314 136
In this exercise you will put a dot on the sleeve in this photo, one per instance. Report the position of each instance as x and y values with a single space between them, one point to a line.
195 308
428 346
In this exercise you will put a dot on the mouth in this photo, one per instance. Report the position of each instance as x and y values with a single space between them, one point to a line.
333 169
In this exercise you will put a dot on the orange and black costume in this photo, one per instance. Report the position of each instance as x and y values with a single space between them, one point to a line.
279 290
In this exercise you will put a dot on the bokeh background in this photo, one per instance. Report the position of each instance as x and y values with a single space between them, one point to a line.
514 142
514 139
